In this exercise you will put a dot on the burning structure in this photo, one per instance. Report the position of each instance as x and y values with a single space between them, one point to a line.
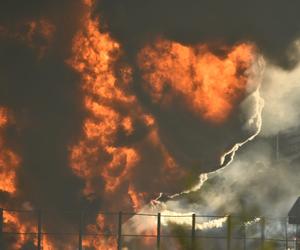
108 106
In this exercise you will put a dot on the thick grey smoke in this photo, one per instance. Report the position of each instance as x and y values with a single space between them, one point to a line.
253 184
281 91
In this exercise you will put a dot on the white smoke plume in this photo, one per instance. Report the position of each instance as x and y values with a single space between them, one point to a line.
281 92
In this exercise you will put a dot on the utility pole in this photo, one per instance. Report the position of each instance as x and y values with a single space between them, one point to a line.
229 231
193 232
158 231
120 231
39 236
80 231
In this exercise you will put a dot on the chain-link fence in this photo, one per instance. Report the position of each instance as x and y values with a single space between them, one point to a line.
35 229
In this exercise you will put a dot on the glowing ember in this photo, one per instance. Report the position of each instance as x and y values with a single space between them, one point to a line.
211 86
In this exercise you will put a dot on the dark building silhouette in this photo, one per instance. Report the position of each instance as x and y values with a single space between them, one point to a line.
294 219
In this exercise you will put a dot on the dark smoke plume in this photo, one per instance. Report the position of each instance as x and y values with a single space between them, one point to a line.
272 25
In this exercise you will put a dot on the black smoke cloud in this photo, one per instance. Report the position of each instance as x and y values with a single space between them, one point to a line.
272 25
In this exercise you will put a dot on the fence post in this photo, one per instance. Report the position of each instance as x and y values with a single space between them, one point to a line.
193 231
263 225
80 231
245 235
229 229
286 234
297 237
158 231
39 236
120 231
1 229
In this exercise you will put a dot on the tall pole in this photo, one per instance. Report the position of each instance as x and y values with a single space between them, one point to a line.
245 236
229 231
193 231
158 231
297 237
286 234
263 225
120 231
80 231
39 236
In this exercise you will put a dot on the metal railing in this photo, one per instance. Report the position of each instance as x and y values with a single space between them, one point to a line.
197 231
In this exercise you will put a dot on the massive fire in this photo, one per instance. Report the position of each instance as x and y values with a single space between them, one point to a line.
210 85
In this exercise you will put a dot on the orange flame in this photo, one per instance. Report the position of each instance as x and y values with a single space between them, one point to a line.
208 84
9 161
94 56
102 242
13 223
27 231
97 153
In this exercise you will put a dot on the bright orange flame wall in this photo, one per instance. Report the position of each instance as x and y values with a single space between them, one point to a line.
209 85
